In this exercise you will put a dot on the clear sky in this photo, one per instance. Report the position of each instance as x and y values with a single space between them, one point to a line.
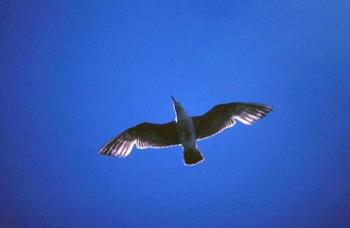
75 73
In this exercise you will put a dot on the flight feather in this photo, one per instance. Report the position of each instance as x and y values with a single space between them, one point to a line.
144 135
224 116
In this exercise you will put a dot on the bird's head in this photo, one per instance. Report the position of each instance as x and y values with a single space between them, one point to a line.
180 111
175 102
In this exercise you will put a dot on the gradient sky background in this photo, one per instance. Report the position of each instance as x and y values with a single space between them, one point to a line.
75 74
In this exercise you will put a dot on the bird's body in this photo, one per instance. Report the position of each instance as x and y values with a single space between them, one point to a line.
186 133
185 130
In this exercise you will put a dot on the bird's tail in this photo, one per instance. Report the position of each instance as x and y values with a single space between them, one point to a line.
192 156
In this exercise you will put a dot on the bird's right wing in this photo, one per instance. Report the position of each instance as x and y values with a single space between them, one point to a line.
225 116
145 135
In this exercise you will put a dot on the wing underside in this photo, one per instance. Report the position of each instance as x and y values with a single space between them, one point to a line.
145 135
224 116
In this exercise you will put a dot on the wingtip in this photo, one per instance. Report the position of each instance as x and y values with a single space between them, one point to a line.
269 107
101 152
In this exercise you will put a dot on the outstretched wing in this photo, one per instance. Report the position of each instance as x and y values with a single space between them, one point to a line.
225 116
145 135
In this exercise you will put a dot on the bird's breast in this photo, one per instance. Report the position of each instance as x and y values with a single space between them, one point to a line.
186 132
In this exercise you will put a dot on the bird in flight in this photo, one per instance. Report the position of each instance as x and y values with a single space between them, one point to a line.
184 130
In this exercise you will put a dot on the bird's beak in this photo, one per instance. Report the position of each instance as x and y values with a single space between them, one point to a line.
173 99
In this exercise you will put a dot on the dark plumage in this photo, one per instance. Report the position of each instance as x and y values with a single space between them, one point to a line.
185 130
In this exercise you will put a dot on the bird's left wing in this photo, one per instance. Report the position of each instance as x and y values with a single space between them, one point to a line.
225 116
144 135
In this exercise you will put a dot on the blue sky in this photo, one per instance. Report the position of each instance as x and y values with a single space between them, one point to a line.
74 74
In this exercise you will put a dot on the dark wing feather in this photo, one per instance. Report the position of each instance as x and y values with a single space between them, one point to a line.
145 135
225 116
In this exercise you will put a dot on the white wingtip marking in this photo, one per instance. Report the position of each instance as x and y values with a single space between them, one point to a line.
242 120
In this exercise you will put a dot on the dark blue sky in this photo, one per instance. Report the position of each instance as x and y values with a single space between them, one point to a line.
75 74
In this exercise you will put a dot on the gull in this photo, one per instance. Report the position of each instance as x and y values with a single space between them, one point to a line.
185 130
